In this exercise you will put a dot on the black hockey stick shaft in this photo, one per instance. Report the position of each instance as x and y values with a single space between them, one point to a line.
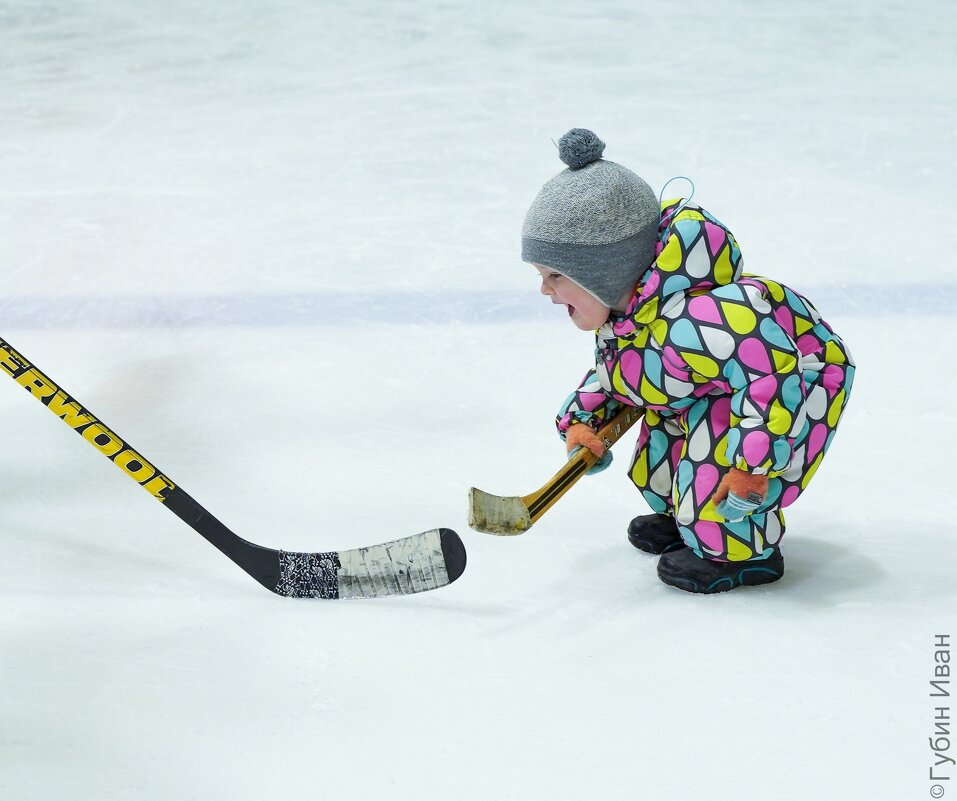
130 461
392 568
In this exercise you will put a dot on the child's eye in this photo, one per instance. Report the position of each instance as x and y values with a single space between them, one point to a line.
554 276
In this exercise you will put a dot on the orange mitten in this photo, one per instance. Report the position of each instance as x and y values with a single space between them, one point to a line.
583 436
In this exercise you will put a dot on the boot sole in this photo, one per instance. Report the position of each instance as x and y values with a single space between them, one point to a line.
751 576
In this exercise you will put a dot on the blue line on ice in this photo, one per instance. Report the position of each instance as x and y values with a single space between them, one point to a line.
402 307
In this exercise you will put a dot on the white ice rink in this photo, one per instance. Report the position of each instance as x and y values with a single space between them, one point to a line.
276 246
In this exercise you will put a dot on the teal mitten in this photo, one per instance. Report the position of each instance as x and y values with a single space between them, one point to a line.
600 465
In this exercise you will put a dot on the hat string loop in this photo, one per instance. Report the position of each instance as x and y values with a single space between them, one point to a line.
684 203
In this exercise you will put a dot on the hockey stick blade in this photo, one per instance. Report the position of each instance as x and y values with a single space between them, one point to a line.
510 515
413 564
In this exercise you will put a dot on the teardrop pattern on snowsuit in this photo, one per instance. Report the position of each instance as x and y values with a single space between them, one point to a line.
733 370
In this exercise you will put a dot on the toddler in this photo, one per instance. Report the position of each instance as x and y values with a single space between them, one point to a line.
742 383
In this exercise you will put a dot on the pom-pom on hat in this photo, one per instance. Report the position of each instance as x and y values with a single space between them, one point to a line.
595 222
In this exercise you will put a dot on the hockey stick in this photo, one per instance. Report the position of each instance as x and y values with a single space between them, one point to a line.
421 562
506 516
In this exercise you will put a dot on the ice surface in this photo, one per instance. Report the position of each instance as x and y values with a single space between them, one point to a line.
275 246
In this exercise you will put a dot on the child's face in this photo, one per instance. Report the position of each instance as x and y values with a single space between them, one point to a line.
586 312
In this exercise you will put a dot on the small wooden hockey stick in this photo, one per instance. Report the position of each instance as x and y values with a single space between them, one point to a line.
507 516
418 563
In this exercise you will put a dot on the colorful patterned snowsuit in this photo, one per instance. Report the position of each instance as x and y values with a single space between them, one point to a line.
732 369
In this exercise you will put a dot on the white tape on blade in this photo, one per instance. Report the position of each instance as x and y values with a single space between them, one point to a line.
405 566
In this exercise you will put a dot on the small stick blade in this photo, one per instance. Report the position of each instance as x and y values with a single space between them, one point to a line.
493 514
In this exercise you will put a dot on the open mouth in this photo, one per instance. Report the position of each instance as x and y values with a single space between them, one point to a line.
571 309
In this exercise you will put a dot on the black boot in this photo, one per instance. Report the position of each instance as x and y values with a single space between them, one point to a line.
691 573
655 534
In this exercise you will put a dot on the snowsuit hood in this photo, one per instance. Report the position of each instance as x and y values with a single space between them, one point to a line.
680 268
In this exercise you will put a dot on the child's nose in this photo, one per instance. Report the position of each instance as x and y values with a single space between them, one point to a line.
546 289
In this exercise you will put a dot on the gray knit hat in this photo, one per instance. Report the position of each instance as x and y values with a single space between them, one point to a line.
596 222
